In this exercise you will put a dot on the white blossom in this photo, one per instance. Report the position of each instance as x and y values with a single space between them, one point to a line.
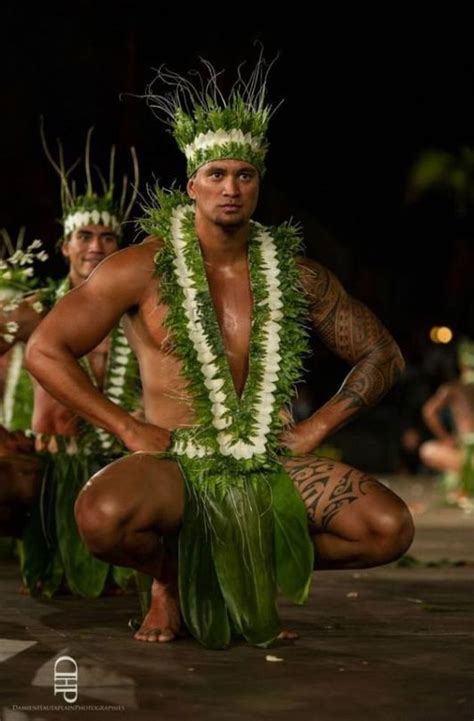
209 370
221 423
118 381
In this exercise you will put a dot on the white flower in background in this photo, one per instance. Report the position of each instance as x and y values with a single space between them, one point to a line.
34 245
26 259
28 272
16 258
42 256
11 305
38 307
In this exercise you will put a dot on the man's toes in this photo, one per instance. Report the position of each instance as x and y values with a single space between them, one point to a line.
142 635
166 635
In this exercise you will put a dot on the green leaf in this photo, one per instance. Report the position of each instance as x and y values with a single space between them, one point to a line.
294 549
40 561
202 604
242 532
85 574
122 576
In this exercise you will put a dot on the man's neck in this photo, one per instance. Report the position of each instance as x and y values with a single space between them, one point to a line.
75 279
222 245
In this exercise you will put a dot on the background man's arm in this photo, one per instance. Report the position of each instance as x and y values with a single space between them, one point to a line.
75 326
431 409
349 329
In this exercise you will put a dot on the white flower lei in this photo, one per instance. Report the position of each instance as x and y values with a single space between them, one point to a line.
11 382
213 365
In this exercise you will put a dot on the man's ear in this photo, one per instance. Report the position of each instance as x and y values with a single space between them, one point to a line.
190 188
65 247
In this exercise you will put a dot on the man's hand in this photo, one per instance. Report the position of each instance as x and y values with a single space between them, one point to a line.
300 438
146 437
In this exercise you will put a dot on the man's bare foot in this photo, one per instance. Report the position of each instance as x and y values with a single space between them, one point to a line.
287 635
163 620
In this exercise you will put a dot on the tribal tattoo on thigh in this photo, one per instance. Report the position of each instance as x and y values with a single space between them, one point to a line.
312 478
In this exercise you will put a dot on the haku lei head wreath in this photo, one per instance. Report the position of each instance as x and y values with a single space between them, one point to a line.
210 126
97 207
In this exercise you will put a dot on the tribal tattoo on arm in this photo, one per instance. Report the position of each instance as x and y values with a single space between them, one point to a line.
349 329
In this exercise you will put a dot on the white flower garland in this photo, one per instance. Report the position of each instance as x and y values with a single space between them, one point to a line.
81 218
11 381
221 137
229 441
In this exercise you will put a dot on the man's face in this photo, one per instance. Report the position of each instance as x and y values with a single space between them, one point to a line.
86 247
225 191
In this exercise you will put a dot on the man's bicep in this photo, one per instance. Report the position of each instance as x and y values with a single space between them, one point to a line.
80 321
87 314
344 324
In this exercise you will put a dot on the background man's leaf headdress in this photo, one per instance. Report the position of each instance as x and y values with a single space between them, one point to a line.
95 207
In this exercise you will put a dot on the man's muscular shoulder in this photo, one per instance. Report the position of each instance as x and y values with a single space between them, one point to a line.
320 285
131 270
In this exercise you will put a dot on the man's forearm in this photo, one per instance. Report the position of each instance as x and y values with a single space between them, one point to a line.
369 380
62 376
435 426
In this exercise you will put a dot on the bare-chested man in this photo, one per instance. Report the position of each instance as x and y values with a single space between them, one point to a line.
452 451
84 248
128 507
92 227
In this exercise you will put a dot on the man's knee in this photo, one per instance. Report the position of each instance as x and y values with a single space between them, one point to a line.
101 520
429 452
390 531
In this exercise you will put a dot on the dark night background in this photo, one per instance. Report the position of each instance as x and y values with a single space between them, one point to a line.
364 94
